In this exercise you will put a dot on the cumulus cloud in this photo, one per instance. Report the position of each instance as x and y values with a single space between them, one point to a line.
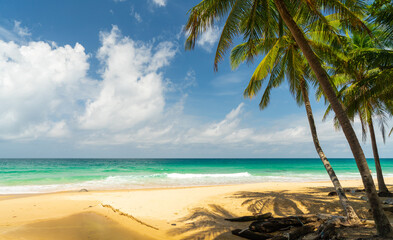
40 85
45 90
45 93
132 87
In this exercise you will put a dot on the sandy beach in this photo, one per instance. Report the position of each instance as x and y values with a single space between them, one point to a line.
175 213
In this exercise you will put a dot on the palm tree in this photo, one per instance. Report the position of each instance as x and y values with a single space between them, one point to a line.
284 61
257 19
381 12
360 62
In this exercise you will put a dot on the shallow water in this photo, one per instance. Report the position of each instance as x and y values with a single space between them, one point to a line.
50 175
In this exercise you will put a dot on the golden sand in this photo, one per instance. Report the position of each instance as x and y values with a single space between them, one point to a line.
176 213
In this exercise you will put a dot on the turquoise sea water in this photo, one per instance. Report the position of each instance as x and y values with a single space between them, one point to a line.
50 175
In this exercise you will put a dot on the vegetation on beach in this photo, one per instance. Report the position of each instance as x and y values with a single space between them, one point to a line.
267 27
283 60
363 59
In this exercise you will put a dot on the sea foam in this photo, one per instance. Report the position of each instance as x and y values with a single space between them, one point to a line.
21 176
214 175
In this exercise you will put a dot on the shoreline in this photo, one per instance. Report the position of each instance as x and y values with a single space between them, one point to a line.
58 175
164 213
182 187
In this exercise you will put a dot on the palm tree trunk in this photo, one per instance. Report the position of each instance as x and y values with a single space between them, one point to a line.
383 190
381 221
352 217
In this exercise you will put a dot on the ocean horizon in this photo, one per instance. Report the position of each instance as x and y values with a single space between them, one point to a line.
44 175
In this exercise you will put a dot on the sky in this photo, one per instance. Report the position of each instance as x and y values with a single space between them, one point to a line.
111 78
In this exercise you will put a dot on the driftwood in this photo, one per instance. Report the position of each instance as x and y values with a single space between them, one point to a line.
388 201
347 190
275 224
360 190
251 235
385 194
330 194
250 218
297 232
321 226
327 230
388 209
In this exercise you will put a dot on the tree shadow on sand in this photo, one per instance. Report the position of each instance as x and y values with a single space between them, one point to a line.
284 203
207 223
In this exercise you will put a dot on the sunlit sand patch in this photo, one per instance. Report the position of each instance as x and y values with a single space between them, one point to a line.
82 226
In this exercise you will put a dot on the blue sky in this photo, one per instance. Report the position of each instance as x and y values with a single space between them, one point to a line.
110 78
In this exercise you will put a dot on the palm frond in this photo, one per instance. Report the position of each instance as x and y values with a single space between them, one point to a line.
230 30
202 16
263 69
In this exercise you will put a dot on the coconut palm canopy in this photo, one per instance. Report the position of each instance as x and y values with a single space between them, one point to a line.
244 19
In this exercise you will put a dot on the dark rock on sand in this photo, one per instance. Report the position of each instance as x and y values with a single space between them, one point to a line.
388 201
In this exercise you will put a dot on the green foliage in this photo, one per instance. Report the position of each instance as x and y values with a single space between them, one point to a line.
258 20
364 74
381 12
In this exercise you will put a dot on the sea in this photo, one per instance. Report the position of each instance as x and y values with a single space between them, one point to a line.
23 176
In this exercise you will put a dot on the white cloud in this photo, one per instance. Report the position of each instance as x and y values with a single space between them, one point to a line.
21 31
40 85
189 80
7 35
59 129
45 93
136 15
160 3
209 38
17 33
132 88
225 131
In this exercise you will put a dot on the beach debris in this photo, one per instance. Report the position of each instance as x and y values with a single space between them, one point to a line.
388 201
364 198
83 190
250 218
347 190
330 194
248 234
388 209
360 190
280 224
310 226
297 232
385 194
127 215
327 230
